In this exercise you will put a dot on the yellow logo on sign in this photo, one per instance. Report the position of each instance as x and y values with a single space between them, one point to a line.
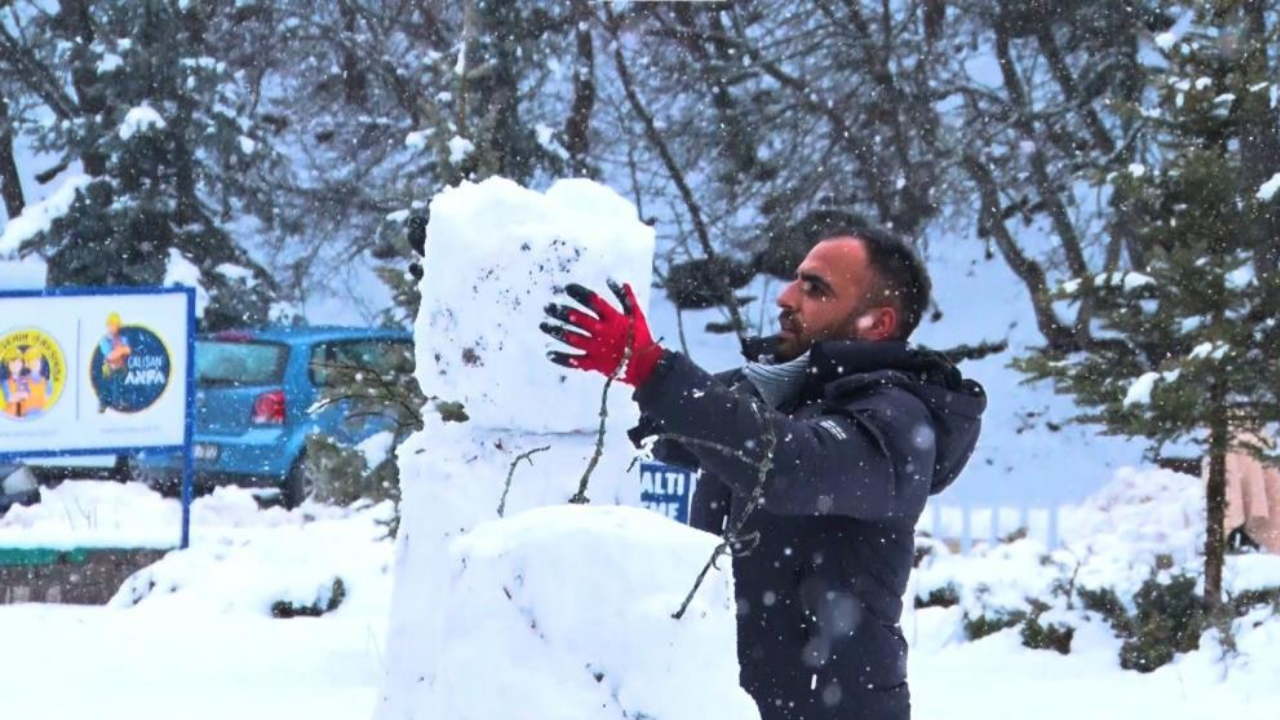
32 373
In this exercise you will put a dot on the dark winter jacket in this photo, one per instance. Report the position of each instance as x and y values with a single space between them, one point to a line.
876 429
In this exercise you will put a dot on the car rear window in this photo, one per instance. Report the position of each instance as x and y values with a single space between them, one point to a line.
239 363
331 361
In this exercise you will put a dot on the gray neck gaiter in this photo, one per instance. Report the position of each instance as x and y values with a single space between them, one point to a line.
778 383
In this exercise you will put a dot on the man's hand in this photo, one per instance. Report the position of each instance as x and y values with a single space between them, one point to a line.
605 336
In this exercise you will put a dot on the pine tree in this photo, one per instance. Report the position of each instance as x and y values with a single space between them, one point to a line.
1184 344
162 126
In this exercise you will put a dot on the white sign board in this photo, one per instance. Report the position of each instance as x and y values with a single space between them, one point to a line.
85 371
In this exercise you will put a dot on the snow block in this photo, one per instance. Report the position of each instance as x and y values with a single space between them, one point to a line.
496 254
565 612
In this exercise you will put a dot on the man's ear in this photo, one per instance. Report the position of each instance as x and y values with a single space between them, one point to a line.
880 323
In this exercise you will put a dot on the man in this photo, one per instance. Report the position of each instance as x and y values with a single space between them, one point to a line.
115 358
855 429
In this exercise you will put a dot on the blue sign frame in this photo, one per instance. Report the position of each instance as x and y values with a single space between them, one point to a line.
188 432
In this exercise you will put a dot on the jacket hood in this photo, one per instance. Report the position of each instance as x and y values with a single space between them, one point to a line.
839 368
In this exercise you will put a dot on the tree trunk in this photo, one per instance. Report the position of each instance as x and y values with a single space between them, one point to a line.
76 20
577 128
1216 505
10 184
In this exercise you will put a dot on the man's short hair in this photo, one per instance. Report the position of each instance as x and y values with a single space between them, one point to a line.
901 278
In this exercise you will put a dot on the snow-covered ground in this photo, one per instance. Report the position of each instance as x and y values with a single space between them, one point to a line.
202 644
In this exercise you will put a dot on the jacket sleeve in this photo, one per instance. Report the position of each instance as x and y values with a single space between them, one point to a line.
870 459
709 508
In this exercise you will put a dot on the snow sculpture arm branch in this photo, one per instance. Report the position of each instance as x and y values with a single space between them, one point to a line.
732 537
511 472
580 497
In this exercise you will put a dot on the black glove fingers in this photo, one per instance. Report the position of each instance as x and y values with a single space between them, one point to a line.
624 297
583 296
564 335
565 359
558 312
572 316
592 301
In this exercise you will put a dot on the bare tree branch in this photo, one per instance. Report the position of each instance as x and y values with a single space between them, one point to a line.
673 169
1027 270
511 472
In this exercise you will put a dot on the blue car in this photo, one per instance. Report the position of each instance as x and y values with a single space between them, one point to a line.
259 395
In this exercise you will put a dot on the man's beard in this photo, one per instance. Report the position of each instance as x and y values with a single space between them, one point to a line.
792 342
789 343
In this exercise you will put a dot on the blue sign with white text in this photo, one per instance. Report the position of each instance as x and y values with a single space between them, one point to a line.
666 489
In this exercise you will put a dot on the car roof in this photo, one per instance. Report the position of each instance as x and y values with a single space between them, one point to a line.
306 335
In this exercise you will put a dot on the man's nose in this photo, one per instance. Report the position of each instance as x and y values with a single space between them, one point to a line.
786 299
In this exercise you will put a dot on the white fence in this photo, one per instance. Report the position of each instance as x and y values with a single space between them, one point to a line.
964 525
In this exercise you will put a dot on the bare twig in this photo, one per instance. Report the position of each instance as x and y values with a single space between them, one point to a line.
511 473
732 534
580 497
386 390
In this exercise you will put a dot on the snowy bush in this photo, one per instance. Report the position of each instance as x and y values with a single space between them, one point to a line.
326 601
980 626
1169 619
344 475
1041 633
1130 564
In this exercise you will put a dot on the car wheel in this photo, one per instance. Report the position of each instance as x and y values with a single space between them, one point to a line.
298 485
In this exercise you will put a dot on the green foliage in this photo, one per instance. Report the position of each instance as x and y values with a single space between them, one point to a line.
325 603
161 127
1046 636
342 474
1107 603
945 596
1188 315
1179 339
374 386
1169 619
1248 600
1050 636
991 623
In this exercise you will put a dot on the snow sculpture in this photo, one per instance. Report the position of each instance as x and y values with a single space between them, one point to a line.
557 611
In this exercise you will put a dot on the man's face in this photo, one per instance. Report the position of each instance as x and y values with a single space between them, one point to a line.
828 300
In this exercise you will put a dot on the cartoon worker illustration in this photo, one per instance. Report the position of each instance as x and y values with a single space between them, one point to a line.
32 373
115 363
15 388
35 382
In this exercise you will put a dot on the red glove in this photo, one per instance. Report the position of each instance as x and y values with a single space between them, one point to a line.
602 337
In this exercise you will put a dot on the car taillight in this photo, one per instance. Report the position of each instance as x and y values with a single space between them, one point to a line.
268 408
